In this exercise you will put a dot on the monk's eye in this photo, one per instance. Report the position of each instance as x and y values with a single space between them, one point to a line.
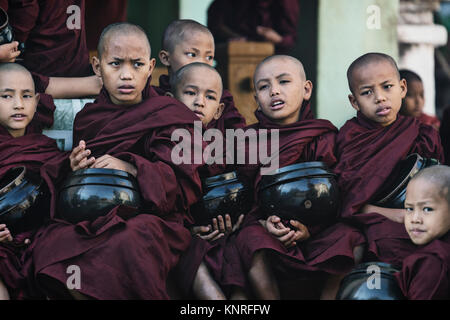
427 209
138 64
409 209
6 96
191 54
210 97
189 93
388 86
284 81
366 93
263 87
210 58
114 63
28 96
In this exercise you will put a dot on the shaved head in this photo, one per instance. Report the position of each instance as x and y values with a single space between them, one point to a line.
364 60
179 76
15 67
439 175
177 31
282 59
121 29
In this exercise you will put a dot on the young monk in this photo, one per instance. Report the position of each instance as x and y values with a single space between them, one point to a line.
129 127
202 269
187 41
19 146
425 273
414 101
370 145
270 247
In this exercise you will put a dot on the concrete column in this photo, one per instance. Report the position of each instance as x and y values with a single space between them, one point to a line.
418 36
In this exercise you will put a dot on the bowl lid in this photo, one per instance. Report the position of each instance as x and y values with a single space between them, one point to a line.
216 180
385 268
291 175
299 166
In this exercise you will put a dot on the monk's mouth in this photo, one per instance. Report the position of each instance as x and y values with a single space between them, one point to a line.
199 114
18 117
276 105
383 111
126 89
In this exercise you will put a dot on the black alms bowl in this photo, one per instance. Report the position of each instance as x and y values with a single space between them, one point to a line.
306 192
23 198
393 193
370 281
90 193
223 194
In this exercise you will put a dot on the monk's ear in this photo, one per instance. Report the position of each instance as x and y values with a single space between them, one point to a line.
219 111
96 66
169 94
308 88
164 57
403 88
353 101
152 66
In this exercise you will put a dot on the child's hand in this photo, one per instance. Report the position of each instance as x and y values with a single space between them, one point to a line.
302 232
5 234
226 226
79 157
9 52
274 226
110 162
206 233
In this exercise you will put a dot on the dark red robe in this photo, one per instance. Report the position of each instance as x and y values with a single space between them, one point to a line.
52 49
330 248
32 151
122 257
367 154
430 120
425 274
242 17
101 13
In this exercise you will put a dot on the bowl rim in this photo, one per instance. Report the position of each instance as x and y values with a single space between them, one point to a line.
16 181
297 166
100 171
36 188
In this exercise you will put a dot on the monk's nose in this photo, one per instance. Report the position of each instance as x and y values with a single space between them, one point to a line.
274 91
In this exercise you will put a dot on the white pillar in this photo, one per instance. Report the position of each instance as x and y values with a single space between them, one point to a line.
418 37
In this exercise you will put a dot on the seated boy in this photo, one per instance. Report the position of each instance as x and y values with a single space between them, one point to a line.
414 101
199 87
370 145
128 127
425 273
282 92
19 147
187 41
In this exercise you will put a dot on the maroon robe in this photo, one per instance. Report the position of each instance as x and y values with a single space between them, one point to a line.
425 274
100 14
330 248
242 17
123 257
367 154
51 48
32 151
430 120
